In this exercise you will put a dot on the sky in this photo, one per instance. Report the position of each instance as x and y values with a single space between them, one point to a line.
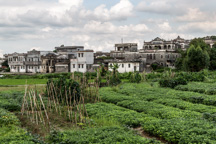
99 24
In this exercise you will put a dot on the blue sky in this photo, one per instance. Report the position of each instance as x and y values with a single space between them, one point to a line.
99 24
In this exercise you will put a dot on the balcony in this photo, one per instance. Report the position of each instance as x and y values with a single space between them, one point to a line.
32 63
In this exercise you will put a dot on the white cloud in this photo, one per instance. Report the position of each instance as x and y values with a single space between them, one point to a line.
47 29
193 14
199 27
48 23
36 48
70 3
1 53
165 26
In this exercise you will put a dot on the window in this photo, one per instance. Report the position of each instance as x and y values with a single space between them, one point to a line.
78 54
129 65
73 65
122 65
82 65
79 65
82 54
161 56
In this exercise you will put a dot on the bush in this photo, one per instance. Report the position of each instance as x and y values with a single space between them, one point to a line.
7 118
172 82
135 77
104 135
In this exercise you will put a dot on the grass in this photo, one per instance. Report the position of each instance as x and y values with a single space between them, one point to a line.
7 89
12 82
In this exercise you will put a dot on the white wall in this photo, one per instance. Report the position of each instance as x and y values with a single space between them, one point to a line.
16 69
126 67
77 69
33 69
88 58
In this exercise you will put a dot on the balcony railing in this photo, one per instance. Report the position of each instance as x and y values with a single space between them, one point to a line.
32 63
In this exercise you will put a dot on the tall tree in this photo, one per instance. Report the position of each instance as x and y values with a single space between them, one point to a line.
196 59
212 55
200 42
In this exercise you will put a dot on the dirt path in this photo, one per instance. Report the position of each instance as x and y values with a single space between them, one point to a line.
146 135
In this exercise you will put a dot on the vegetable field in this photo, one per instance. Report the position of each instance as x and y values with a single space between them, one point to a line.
65 111
176 116
206 88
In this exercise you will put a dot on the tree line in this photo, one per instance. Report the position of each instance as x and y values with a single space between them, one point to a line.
197 57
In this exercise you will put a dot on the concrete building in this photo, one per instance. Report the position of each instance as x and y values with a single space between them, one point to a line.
48 62
126 66
33 61
70 51
161 44
126 47
62 64
16 62
208 40
83 62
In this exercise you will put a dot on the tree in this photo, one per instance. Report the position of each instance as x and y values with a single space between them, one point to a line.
196 59
5 63
212 56
200 42
114 78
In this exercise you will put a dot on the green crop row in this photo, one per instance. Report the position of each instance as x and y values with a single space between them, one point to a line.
176 130
153 93
158 110
103 135
10 131
11 101
182 131
171 98
207 88
110 111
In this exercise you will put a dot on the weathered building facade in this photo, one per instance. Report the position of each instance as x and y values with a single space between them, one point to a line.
83 62
16 62
161 44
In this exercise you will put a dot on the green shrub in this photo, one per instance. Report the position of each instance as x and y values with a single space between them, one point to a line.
135 77
172 82
7 118
105 135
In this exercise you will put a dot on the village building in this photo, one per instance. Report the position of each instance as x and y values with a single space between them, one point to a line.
83 62
208 40
48 62
16 62
161 44
62 64
125 66
69 51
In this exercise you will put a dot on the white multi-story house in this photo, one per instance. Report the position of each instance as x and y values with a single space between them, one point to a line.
126 66
83 62
16 62
33 61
